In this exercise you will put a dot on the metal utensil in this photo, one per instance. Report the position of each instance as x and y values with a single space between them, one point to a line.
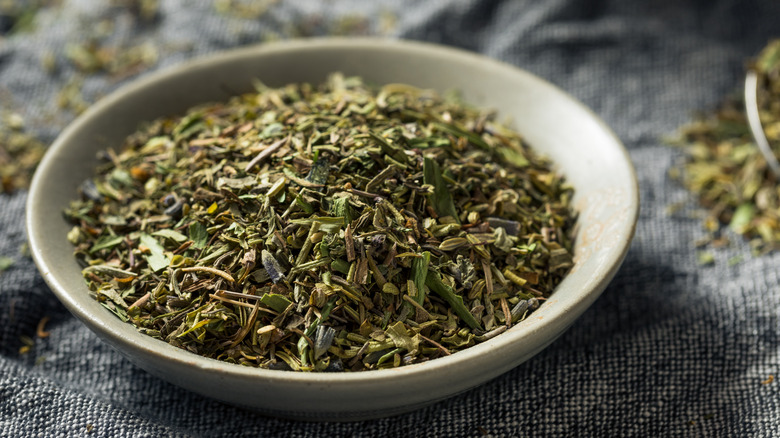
751 110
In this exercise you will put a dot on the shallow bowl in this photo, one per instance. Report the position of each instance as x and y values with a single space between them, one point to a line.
555 124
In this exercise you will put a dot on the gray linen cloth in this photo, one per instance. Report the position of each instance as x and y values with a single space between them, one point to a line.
670 349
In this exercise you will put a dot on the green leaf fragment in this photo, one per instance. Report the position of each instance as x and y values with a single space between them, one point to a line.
394 151
327 224
275 301
457 340
512 156
740 222
560 259
340 207
271 130
339 265
705 258
319 172
398 334
237 183
769 57
170 234
305 206
389 355
198 234
419 275
473 138
5 263
195 326
390 288
106 242
116 310
733 261
108 292
156 258
441 197
433 281
188 126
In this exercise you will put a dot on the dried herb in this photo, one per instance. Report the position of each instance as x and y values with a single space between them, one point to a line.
725 169
144 10
705 258
324 228
5 263
27 344
249 10
18 16
20 153
40 330
70 96
118 61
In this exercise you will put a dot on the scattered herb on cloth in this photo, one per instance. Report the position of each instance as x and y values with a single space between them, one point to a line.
324 228
20 153
725 169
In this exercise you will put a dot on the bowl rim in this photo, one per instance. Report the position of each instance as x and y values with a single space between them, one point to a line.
108 322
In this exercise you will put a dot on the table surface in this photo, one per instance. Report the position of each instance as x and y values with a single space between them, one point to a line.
671 348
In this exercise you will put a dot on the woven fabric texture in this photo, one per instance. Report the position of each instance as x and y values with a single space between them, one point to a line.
671 348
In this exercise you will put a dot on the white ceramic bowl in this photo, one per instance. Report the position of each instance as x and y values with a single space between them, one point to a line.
582 147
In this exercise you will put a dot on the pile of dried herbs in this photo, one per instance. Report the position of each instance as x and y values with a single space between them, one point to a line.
324 228
725 169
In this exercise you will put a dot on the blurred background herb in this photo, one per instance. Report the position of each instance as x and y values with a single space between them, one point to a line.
103 44
724 169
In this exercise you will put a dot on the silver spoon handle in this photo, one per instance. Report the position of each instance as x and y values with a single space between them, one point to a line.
751 110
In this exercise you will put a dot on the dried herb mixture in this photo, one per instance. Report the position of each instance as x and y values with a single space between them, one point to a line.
725 169
324 228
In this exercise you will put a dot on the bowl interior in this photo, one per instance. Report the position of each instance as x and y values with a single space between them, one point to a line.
553 123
